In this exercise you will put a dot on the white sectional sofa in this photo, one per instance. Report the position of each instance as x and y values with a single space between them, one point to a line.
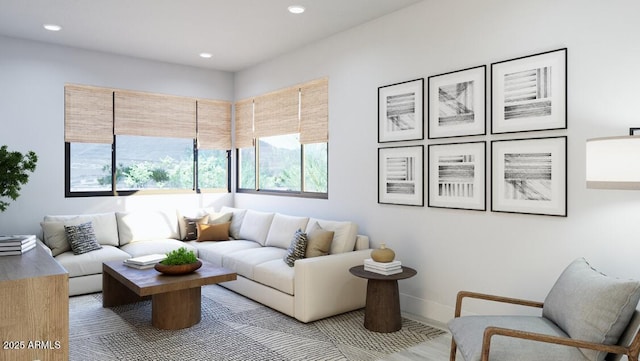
312 289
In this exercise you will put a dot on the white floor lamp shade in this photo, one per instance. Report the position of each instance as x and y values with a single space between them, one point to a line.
613 163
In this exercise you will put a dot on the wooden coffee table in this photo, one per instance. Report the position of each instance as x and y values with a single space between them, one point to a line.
175 300
382 310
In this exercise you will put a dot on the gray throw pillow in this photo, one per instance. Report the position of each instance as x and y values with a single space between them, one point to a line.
591 306
82 238
297 248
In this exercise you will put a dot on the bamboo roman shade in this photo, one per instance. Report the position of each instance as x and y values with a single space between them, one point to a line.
214 124
155 115
88 114
314 111
276 113
244 124
300 109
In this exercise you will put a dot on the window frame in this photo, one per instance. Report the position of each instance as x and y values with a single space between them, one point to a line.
300 194
114 192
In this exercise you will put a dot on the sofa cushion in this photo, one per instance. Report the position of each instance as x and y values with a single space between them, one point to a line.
213 232
255 226
244 262
236 220
145 226
344 237
104 225
90 263
190 231
156 246
214 251
55 237
591 306
297 248
318 242
82 238
283 228
275 274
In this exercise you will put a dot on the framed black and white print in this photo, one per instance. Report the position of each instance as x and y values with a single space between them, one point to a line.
529 93
401 111
400 175
457 103
457 175
530 176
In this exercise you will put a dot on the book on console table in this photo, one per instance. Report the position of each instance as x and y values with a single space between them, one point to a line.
18 246
143 262
17 240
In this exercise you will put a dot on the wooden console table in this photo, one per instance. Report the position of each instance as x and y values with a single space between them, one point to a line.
382 310
34 307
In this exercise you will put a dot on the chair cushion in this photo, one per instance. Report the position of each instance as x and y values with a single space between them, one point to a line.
591 306
468 332
90 263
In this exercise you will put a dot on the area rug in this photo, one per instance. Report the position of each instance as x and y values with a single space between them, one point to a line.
232 328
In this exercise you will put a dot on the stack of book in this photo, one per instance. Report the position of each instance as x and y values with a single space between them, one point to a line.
144 262
387 269
16 245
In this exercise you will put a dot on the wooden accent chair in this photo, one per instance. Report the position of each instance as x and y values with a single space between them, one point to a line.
586 316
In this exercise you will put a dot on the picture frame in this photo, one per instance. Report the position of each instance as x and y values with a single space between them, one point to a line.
401 111
401 175
529 93
529 176
634 131
457 103
457 175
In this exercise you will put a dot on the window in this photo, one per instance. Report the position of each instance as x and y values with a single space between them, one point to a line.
145 141
282 141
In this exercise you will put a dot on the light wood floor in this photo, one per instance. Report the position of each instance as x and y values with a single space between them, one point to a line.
434 350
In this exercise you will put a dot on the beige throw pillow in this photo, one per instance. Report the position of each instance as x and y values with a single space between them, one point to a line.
213 232
318 242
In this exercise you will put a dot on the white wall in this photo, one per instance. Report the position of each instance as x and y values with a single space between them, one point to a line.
32 78
511 254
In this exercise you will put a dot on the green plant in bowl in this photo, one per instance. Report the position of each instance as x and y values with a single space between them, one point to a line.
180 256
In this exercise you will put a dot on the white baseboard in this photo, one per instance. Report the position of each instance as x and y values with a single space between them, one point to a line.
432 311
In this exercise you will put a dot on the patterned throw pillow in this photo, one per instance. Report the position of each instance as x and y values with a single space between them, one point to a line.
82 238
191 227
297 248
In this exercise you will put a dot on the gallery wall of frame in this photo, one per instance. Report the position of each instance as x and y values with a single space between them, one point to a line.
528 173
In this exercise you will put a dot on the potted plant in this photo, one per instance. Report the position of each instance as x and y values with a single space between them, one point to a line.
179 261
14 168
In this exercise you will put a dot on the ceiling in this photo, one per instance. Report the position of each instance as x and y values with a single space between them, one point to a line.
238 33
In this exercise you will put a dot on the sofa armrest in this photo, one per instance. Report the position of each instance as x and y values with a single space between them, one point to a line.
324 287
362 242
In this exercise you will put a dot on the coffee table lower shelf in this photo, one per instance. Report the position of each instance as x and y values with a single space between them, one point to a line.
175 300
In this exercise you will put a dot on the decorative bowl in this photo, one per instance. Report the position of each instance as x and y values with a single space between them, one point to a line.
180 269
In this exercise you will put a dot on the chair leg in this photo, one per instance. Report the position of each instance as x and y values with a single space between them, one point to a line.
454 347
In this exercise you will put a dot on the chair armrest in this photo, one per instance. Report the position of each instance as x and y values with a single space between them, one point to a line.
491 331
494 298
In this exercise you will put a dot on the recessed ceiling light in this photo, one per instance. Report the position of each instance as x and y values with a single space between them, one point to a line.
205 55
52 27
296 9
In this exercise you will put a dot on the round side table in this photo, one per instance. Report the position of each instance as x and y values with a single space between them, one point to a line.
382 310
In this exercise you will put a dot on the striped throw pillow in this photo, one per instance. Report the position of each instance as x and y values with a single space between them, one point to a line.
297 248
